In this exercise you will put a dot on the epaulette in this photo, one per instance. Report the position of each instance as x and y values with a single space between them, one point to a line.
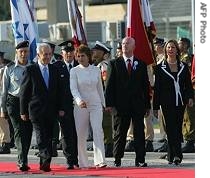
10 64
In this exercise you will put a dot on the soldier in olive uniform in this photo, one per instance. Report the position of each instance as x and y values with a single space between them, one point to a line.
12 79
188 128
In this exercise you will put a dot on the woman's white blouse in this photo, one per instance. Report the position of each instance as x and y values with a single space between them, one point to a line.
86 85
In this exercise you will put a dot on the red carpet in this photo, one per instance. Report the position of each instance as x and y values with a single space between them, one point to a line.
10 167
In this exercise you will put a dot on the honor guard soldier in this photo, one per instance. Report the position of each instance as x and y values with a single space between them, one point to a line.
101 56
12 79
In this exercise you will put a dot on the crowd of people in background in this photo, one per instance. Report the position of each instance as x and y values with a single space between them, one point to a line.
82 92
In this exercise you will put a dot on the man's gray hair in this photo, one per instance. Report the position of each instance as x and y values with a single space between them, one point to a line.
40 46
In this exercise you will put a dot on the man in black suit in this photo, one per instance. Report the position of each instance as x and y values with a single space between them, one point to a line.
127 96
41 101
67 124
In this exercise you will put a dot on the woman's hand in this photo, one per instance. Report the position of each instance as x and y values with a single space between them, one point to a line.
82 104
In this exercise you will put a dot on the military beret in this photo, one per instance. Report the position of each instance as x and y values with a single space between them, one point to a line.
23 44
159 41
67 45
100 46
2 54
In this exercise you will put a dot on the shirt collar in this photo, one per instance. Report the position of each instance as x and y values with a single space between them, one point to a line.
126 58
41 66
67 64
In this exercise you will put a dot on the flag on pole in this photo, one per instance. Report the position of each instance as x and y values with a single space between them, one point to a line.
75 17
136 29
147 16
23 24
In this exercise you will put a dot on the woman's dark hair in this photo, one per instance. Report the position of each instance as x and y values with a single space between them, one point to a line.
85 49
177 48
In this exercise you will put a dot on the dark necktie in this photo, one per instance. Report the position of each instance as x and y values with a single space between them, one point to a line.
129 66
46 76
70 66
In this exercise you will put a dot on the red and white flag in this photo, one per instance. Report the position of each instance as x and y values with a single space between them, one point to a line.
136 29
75 17
147 16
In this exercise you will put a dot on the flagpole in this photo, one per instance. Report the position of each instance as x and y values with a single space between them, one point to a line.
84 17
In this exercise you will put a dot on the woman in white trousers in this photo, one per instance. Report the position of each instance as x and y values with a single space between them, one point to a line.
87 90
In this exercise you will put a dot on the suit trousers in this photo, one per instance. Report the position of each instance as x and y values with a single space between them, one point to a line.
43 127
22 130
4 131
83 116
107 128
69 137
121 124
174 118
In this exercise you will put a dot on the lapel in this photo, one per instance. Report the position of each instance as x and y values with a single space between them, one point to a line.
41 77
166 69
65 69
122 66
40 74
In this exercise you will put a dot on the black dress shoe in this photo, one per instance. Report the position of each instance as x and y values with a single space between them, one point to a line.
117 162
73 166
23 168
45 167
177 160
138 164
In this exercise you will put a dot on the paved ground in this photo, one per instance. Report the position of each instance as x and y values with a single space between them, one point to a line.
128 161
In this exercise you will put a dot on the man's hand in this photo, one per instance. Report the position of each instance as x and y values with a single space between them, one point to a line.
24 117
108 109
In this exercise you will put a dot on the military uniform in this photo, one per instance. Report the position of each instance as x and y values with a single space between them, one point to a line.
10 102
107 117
12 79
188 127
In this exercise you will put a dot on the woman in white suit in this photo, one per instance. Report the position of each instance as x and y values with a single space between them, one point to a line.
87 90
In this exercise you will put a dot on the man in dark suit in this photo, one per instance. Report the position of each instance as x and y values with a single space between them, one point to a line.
67 124
41 101
127 96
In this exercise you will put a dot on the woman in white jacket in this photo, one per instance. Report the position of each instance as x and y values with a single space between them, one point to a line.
87 90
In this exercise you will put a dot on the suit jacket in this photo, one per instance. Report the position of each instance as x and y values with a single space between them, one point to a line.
64 76
127 93
35 98
170 91
86 84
